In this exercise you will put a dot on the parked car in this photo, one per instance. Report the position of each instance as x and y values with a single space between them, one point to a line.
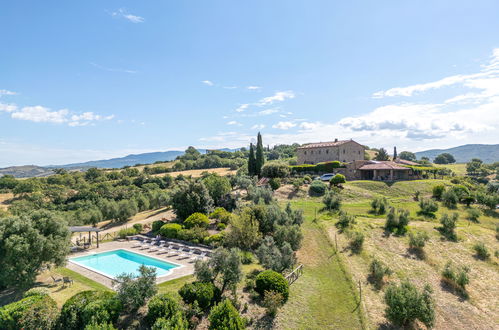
325 177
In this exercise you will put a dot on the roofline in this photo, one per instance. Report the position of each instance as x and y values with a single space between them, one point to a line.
343 142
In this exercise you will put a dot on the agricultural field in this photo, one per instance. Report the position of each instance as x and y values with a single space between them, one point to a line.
477 311
458 168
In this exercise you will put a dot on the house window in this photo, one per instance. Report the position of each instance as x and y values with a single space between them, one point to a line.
327 151
305 152
343 151
359 152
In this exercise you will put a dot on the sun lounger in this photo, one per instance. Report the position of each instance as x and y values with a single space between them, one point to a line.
56 279
67 280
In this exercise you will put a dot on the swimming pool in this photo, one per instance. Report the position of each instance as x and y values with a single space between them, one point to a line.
116 262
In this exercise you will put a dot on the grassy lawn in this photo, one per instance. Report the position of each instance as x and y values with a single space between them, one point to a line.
324 297
174 285
459 168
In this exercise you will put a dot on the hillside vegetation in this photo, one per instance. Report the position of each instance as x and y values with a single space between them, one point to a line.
489 153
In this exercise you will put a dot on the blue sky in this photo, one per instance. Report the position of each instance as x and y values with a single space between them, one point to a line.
83 80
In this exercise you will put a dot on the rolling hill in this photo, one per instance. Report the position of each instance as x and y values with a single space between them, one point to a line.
489 153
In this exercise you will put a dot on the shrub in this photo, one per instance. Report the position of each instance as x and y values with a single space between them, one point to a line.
481 251
297 183
260 195
35 311
457 277
317 188
156 226
274 183
418 240
221 214
450 199
337 180
405 304
36 292
272 301
397 221
247 257
427 208
221 226
356 241
379 205
205 293
269 280
307 179
275 170
196 220
89 307
195 234
100 326
345 221
417 193
473 215
449 226
170 230
332 201
138 227
438 190
225 316
215 239
162 305
177 322
124 232
377 273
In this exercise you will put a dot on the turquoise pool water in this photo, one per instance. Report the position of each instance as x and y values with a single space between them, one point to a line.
116 262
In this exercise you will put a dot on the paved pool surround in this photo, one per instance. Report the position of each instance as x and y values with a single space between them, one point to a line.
185 266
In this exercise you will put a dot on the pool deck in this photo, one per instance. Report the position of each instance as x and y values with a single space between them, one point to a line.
186 269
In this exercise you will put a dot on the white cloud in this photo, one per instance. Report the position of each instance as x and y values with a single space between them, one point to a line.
277 97
208 82
242 107
124 14
8 107
6 92
258 126
253 87
230 87
234 123
268 112
112 69
41 114
284 125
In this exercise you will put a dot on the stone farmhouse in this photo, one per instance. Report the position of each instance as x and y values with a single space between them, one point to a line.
356 167
344 151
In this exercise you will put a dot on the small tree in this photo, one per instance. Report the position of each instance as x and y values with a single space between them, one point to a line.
417 241
337 180
356 241
379 205
481 251
345 221
382 155
473 215
397 221
427 208
134 291
450 199
405 304
223 268
243 232
225 316
317 188
457 277
377 273
438 190
449 226
332 201
407 155
190 198
275 170
272 301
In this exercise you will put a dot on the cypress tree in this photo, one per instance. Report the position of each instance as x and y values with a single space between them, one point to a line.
394 153
251 161
259 155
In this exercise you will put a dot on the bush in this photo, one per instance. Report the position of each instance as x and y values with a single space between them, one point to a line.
345 221
124 232
195 235
481 251
134 291
196 220
307 179
35 311
457 277
448 226
215 239
176 322
269 280
275 170
317 188
297 183
272 301
260 195
156 226
162 305
138 227
379 205
438 190
356 241
225 316
170 230
337 180
89 307
247 257
418 240
221 226
36 292
377 273
405 304
332 201
427 208
397 221
274 183
221 214
205 293
450 199
473 215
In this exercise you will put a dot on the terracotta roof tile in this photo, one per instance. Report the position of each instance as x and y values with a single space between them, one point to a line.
383 165
324 144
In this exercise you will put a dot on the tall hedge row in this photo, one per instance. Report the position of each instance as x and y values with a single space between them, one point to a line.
317 168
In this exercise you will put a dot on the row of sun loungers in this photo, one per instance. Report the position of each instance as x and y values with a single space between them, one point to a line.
181 251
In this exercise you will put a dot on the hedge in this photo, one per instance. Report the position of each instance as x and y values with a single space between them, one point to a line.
36 311
325 167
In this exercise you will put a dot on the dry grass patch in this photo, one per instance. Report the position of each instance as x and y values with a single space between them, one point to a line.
197 173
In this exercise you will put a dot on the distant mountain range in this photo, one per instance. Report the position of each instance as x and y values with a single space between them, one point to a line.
29 171
489 153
